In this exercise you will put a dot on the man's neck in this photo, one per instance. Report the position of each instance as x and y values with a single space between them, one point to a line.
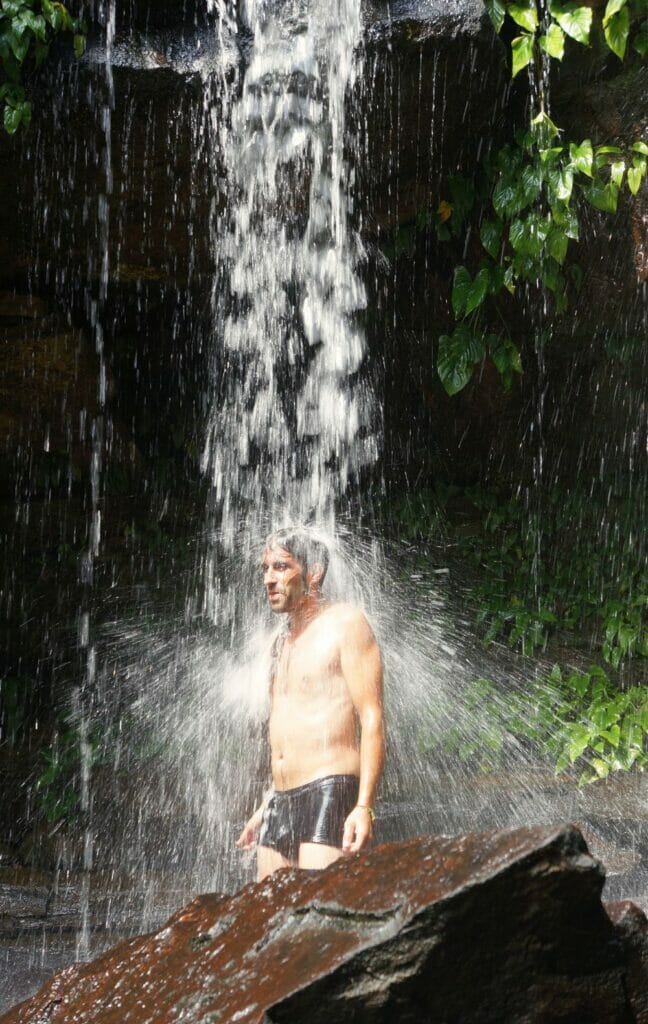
303 615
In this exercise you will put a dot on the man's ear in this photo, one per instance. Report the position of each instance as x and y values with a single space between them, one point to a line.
315 577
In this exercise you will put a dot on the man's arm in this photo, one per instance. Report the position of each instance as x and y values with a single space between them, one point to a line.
250 834
362 668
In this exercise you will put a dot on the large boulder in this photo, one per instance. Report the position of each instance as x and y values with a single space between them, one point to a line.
492 927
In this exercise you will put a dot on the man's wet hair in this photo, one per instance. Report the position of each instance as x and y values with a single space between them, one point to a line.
304 545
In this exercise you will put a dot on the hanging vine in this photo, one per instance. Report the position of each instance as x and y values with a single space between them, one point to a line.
537 185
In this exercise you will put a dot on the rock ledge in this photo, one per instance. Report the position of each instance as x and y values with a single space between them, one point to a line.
492 927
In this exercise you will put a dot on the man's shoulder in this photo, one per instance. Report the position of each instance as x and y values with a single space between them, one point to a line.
347 617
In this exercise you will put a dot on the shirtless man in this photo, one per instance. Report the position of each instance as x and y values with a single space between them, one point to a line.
326 721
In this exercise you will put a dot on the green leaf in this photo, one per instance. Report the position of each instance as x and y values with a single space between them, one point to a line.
67 22
478 290
603 196
508 159
497 12
616 31
531 183
579 681
10 8
525 140
505 200
527 236
597 672
612 735
601 768
553 42
26 109
525 14
617 170
553 280
640 42
522 52
506 357
12 94
79 45
635 176
561 183
568 219
581 157
19 44
37 24
15 116
562 761
579 738
461 286
558 243
549 156
457 356
10 65
639 147
18 23
52 15
544 129
613 7
573 19
491 236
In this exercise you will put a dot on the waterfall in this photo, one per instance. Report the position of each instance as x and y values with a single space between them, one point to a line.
292 425
291 416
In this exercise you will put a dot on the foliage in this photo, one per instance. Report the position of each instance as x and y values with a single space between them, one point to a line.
578 719
535 187
58 782
27 28
581 591
14 700
75 750
582 587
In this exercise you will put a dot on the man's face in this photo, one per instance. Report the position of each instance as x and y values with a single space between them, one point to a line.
283 579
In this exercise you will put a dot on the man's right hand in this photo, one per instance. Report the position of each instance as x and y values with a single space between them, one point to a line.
250 834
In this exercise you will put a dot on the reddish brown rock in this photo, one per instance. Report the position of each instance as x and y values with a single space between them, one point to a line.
498 927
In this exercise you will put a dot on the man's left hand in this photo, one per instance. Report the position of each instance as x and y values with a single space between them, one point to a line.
358 830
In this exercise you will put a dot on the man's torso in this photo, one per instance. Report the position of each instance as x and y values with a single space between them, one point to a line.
313 725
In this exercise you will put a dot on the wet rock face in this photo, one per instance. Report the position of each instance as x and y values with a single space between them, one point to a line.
493 927
168 60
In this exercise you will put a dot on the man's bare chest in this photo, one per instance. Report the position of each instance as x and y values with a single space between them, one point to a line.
308 668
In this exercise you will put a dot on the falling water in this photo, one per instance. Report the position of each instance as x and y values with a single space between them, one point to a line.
291 428
83 698
291 420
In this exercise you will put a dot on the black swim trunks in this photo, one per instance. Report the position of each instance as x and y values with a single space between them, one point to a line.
314 813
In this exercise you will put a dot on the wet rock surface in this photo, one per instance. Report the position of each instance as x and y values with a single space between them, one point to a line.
43 917
500 926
